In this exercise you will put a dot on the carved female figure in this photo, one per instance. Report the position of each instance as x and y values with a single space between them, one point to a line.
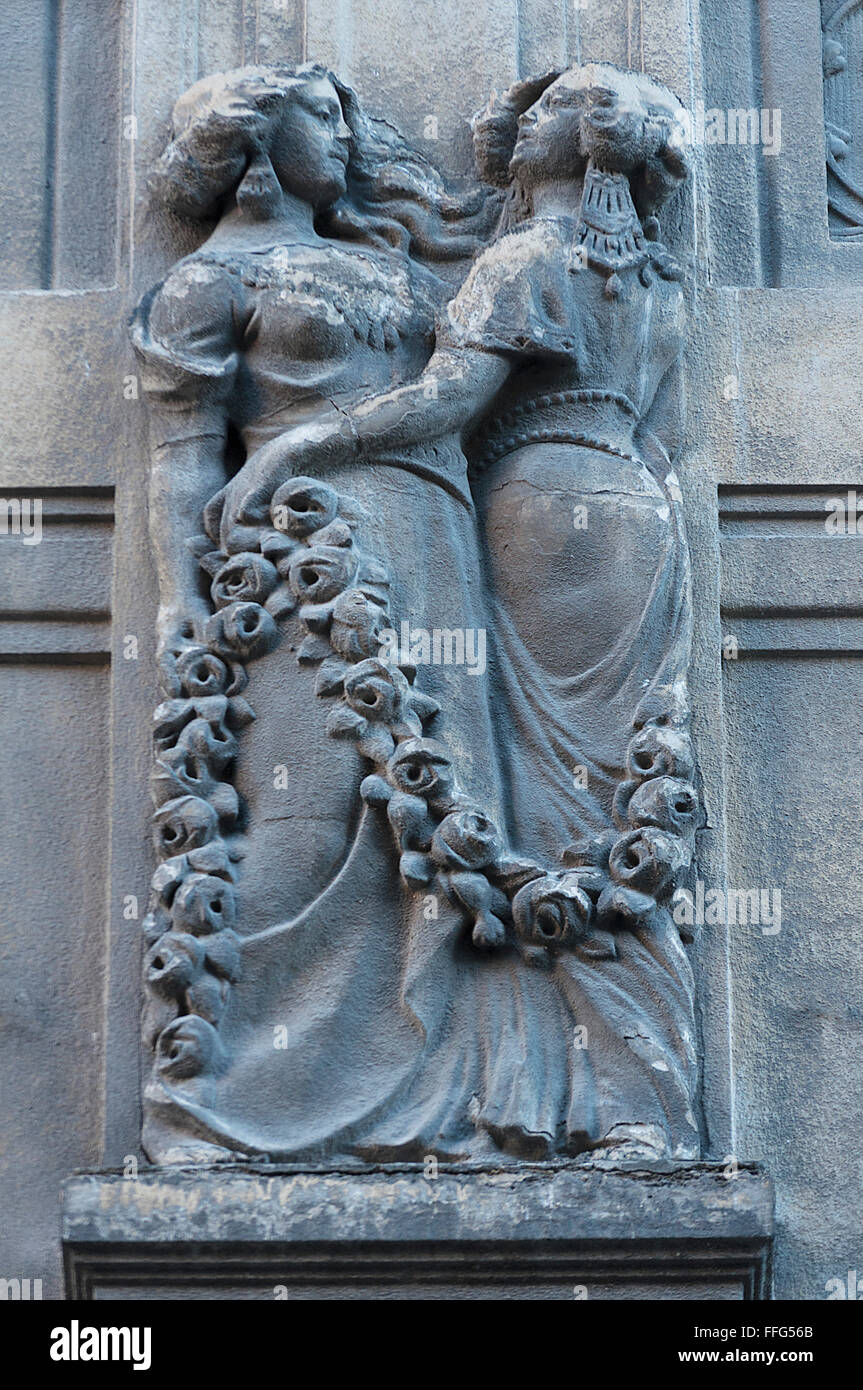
510 980
318 284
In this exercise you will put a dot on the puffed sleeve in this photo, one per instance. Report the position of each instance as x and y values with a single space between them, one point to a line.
515 300
185 332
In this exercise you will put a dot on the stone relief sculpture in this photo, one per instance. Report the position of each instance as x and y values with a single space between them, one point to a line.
406 905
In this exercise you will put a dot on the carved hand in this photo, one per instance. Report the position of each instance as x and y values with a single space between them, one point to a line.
306 450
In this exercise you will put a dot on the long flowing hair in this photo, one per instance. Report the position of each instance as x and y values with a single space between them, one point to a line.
395 197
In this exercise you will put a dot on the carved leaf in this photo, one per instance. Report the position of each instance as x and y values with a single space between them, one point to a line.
331 677
345 723
281 602
313 648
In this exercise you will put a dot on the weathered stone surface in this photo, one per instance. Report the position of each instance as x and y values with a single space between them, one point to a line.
543 1233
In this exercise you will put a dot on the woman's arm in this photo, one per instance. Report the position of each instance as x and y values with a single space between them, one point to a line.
184 474
453 390
185 332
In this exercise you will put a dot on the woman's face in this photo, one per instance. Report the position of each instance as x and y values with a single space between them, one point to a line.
548 143
310 145
587 112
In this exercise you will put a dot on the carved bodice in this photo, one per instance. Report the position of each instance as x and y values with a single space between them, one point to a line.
265 336
584 360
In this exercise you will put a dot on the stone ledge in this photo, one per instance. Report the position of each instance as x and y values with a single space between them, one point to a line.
600 1231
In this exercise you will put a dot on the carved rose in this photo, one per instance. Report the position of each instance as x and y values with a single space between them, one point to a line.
178 770
201 672
204 904
188 1047
357 624
666 802
246 577
664 706
243 630
552 911
648 859
211 743
658 751
303 506
377 691
376 711
174 963
318 574
184 824
173 715
465 840
212 858
422 767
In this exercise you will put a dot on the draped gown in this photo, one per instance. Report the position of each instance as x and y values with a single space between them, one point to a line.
365 1026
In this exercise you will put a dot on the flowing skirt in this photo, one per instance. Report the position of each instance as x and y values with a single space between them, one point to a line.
366 1026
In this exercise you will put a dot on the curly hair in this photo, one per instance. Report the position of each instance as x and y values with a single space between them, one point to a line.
662 158
219 148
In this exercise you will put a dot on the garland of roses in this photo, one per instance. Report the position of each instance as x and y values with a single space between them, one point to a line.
309 565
